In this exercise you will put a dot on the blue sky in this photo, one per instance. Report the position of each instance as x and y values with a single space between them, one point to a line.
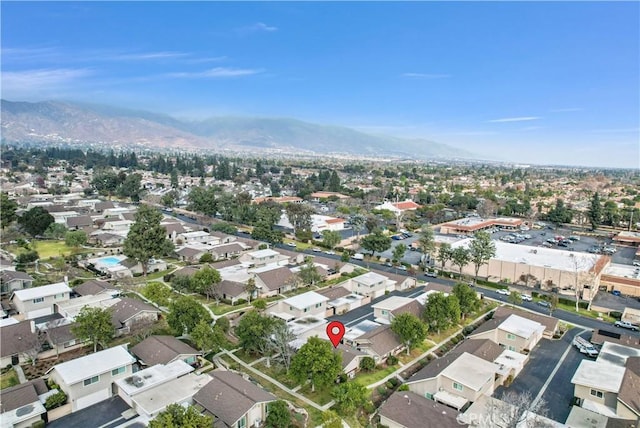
539 82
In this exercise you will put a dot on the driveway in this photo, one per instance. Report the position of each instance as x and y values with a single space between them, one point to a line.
105 414
543 360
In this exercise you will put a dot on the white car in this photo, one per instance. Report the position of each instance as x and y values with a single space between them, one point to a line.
504 291
291 244
316 250
526 298
331 253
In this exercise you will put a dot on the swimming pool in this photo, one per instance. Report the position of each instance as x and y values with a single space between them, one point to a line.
109 261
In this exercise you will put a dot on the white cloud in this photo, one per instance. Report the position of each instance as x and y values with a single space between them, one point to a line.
144 56
514 119
41 78
261 26
258 27
425 75
214 73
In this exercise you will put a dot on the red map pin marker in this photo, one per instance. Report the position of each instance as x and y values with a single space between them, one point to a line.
335 331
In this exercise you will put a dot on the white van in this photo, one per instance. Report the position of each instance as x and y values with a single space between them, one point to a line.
585 347
358 256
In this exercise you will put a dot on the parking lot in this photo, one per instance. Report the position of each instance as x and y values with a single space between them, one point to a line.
543 360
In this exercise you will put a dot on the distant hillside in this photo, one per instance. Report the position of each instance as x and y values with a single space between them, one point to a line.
54 121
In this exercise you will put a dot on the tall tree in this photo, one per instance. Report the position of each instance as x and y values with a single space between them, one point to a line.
438 312
251 288
460 257
481 250
280 344
177 416
427 241
93 325
205 281
331 238
254 331
467 298
207 338
357 223
75 238
376 242
316 362
146 238
334 182
299 216
410 329
595 211
514 298
349 396
8 209
399 251
185 313
278 415
309 274
444 253
35 221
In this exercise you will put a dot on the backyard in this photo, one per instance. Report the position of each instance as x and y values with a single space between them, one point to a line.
8 378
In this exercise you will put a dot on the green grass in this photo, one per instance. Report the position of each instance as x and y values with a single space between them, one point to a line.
157 275
415 352
277 373
352 421
367 378
8 379
321 395
222 308
586 313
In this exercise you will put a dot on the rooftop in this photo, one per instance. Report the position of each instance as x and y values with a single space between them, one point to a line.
471 371
411 410
520 326
391 303
597 375
174 391
616 354
90 365
44 291
370 278
304 300
153 376
259 254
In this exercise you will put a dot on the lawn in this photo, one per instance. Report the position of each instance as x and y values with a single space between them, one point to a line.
367 378
46 249
277 373
8 379
223 308
586 313
321 395
156 275
416 352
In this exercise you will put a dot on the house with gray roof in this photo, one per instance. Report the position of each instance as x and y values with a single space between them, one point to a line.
128 312
406 409
164 350
234 401
11 280
232 291
22 405
274 281
15 340
379 343
94 287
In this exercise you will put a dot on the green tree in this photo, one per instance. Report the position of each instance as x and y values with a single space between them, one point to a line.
206 258
309 274
334 182
399 251
259 304
357 223
157 292
185 313
251 288
223 324
75 238
130 187
224 228
181 282
254 331
93 325
35 221
595 211
560 213
349 397
410 329
55 231
376 242
208 338
460 257
367 364
8 209
444 253
174 179
147 238
316 362
278 415
467 298
205 281
437 312
177 416
514 298
331 238
427 240
481 250
299 216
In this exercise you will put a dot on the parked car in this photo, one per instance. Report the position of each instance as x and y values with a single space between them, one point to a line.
331 253
616 293
544 303
526 298
431 274
503 291
316 250
625 324
291 244
585 347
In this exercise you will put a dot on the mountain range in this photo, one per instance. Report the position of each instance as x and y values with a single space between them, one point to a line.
67 122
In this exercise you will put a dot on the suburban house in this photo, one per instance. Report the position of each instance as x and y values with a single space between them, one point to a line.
406 409
192 253
461 376
514 333
22 405
232 291
340 300
38 301
151 390
607 389
370 285
197 237
71 308
385 310
15 340
550 323
303 305
79 222
599 337
227 251
173 230
128 312
234 401
350 359
88 380
11 280
379 343
164 350
59 336
94 286
271 282
264 257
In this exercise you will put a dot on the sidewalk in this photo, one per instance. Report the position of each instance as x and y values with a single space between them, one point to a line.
21 377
